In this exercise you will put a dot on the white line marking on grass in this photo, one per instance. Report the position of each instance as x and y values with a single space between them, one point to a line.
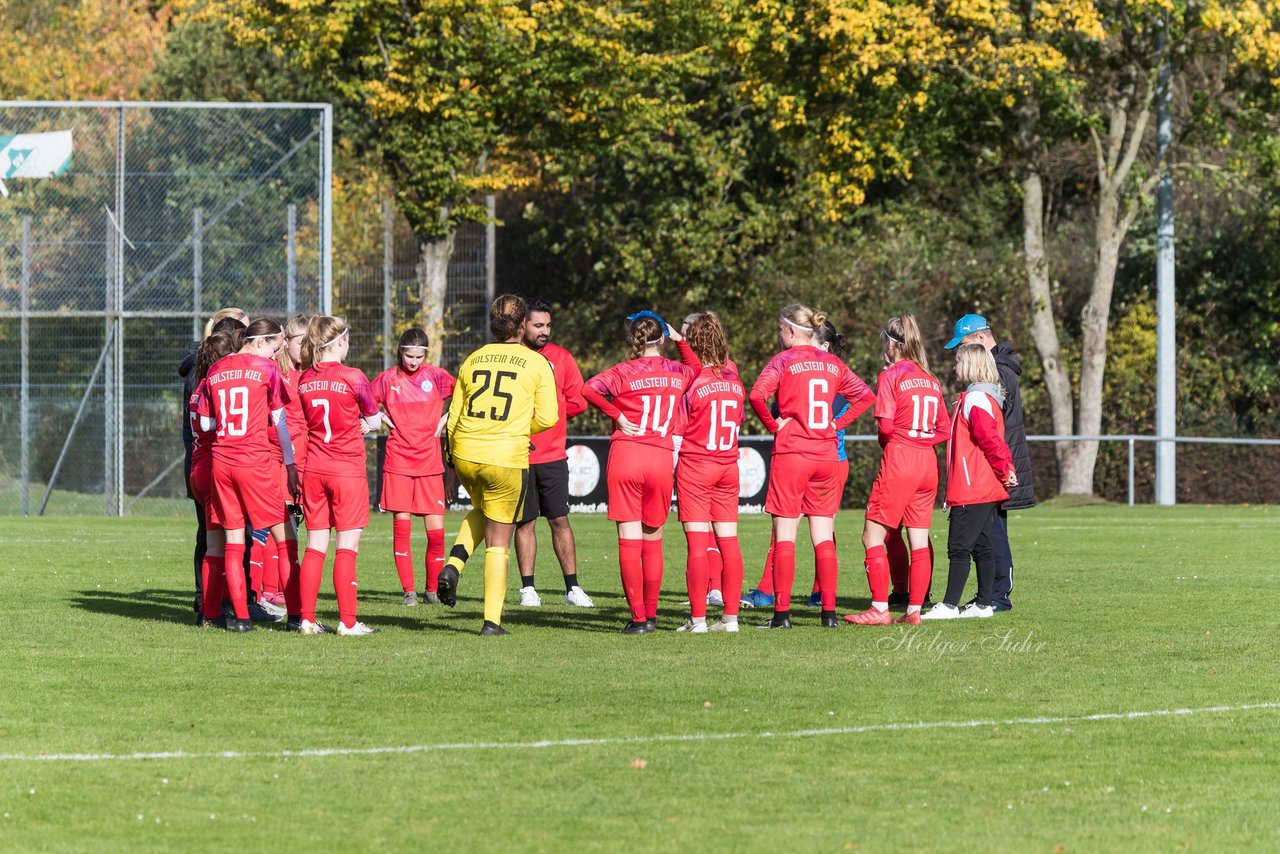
639 739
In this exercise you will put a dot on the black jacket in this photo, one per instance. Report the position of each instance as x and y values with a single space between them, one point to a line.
187 370
1009 365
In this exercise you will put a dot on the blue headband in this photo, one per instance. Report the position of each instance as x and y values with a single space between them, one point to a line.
632 318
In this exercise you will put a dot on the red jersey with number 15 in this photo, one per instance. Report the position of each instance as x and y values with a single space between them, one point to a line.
910 408
415 403
713 406
240 393
806 380
647 391
334 397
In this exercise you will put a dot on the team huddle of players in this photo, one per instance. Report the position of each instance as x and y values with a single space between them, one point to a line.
278 421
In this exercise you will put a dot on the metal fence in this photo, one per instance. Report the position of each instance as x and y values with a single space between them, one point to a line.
108 272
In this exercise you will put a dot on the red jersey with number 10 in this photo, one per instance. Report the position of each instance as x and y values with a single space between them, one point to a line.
713 407
806 380
334 397
647 391
415 403
240 393
910 408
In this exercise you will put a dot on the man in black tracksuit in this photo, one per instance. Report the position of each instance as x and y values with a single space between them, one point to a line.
974 329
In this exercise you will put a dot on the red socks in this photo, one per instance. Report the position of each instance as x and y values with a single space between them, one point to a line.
731 553
715 565
213 588
878 573
344 585
272 566
766 578
827 572
401 537
921 573
899 561
435 557
630 562
309 583
696 572
289 577
235 579
651 558
784 575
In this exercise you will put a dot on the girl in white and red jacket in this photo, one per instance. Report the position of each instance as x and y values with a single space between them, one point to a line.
979 472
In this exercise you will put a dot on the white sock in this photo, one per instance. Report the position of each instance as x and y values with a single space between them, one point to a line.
913 609
880 606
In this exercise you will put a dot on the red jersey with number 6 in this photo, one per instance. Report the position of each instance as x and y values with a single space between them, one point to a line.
647 391
240 393
415 403
713 408
334 397
806 380
910 408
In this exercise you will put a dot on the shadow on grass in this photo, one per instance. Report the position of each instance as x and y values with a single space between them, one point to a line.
167 605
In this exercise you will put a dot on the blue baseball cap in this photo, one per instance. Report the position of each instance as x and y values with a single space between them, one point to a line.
967 325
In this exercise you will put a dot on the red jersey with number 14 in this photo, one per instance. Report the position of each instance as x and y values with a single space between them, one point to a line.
647 391
415 403
240 393
910 408
334 397
806 380
713 407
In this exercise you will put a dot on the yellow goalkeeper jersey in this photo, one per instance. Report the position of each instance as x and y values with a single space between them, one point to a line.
505 394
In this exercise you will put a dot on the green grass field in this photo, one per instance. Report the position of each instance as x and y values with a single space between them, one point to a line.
1021 733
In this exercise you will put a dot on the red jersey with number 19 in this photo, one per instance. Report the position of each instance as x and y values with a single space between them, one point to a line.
806 380
334 397
240 393
909 406
647 391
713 408
415 403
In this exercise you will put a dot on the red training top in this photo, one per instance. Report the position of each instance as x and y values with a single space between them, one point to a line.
978 458
806 379
910 408
549 445
201 441
334 397
713 408
647 391
414 403
240 393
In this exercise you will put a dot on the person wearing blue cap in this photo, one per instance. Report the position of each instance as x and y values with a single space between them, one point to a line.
974 329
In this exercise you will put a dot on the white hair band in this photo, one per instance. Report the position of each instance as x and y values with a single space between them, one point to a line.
657 340
336 340
808 330
272 335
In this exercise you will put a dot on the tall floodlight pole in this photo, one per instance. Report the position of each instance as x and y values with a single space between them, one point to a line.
1166 365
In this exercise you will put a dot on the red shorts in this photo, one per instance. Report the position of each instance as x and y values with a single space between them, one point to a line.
802 486
335 501
905 487
201 483
640 479
706 490
244 496
421 496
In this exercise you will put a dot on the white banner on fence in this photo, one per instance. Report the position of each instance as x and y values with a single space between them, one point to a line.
34 155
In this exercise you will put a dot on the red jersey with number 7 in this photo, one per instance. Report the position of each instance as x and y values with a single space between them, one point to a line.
334 397
647 391
806 380
910 408
240 393
713 406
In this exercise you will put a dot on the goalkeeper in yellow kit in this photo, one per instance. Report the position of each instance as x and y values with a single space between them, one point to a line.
505 393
